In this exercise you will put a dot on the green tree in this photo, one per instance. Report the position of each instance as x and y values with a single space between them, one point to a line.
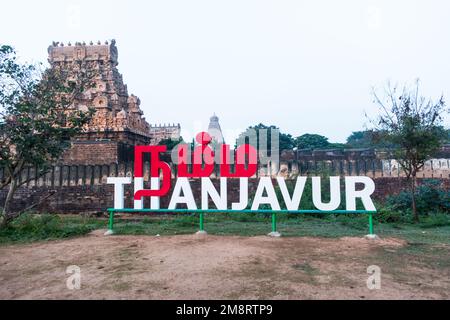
37 119
311 141
367 139
170 143
412 125
337 145
286 142
360 139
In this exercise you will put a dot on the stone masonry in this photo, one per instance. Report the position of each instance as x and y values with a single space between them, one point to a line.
119 122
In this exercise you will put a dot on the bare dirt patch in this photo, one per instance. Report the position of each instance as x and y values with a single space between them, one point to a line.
218 267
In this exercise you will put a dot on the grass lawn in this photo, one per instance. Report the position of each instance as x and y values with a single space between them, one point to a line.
433 229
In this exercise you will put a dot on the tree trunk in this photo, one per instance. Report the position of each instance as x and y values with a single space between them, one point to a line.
5 219
413 198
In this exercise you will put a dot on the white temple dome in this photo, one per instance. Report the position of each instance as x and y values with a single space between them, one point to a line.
214 130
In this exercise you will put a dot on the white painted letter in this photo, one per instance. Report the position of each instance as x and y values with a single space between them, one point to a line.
243 195
294 203
154 185
335 194
351 194
118 183
265 183
182 185
138 185
220 200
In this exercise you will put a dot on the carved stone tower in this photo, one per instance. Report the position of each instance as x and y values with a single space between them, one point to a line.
215 131
118 123
118 115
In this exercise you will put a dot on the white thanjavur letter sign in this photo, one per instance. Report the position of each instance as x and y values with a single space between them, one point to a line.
355 187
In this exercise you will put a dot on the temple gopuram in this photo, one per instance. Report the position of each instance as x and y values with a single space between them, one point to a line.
118 123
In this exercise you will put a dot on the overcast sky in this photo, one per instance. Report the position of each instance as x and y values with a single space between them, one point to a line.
305 66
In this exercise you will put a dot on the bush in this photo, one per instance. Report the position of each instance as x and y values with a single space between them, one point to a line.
431 197
388 214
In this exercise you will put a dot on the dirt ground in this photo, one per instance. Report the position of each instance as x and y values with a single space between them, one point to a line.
218 267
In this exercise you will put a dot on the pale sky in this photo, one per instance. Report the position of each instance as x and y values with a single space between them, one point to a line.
305 66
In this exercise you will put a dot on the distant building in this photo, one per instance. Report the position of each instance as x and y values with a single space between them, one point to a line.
215 131
162 132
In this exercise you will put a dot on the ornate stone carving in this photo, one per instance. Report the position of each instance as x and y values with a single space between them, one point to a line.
116 110
110 94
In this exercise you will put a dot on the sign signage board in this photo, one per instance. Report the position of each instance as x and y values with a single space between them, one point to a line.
239 164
